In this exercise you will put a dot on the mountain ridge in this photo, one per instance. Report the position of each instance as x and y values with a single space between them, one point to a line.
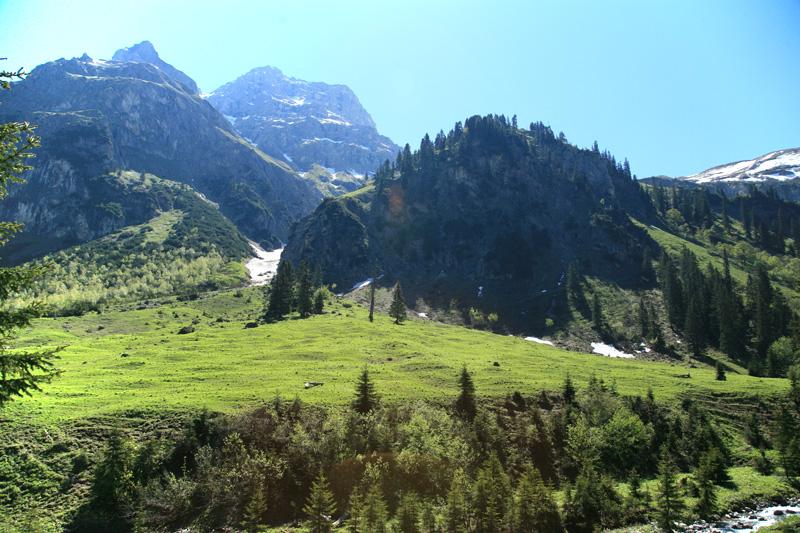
303 122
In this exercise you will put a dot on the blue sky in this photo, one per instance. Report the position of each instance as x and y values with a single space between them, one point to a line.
675 87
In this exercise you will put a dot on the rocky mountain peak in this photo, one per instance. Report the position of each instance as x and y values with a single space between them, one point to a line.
145 52
304 123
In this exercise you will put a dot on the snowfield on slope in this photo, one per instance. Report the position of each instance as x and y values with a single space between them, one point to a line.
781 165
609 351
263 266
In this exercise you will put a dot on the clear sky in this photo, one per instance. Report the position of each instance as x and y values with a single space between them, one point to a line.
675 86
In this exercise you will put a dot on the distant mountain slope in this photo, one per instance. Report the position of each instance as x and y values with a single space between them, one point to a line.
779 171
303 122
779 166
171 240
490 214
97 117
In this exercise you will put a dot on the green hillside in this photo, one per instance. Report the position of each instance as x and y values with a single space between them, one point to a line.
136 360
186 247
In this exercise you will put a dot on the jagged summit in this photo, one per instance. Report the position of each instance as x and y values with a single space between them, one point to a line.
145 52
304 123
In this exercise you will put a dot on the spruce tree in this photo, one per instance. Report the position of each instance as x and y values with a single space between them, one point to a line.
305 292
598 322
644 320
534 507
668 501
465 404
319 302
492 497
694 327
636 504
366 398
457 506
320 506
407 514
372 300
21 371
706 504
374 512
398 308
568 391
574 289
721 371
254 510
281 292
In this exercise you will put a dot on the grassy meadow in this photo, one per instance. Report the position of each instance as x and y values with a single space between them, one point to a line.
135 360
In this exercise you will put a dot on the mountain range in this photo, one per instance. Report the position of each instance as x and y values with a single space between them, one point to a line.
138 113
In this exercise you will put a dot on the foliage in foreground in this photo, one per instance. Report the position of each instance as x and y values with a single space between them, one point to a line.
21 372
419 467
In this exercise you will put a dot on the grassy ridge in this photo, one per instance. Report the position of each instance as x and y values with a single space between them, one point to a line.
135 360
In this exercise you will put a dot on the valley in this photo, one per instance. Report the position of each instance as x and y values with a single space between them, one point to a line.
231 304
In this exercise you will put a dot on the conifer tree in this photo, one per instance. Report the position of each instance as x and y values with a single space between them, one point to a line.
720 371
320 506
672 290
598 321
668 502
372 300
534 507
694 327
254 510
21 371
644 320
762 323
374 512
366 398
574 290
465 404
457 508
397 310
636 504
281 292
305 304
647 272
319 302
706 504
492 497
407 514
568 390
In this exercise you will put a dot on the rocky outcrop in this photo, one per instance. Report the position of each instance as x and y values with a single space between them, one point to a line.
304 123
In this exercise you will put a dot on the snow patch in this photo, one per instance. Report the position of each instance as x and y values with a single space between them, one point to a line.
292 101
264 265
609 351
537 340
361 284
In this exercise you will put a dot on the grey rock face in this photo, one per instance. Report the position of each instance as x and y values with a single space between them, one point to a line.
305 123
100 116
144 52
